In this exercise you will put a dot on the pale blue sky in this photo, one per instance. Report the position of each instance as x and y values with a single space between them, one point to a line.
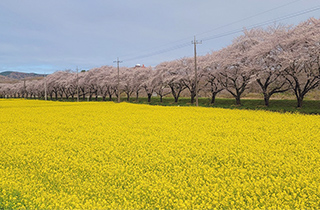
44 36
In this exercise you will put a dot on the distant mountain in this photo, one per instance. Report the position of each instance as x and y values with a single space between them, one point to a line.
19 75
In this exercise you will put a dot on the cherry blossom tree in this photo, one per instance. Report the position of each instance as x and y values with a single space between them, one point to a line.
211 67
149 82
264 60
7 89
172 75
64 83
236 71
187 73
127 81
2 92
32 88
273 59
71 83
106 81
39 86
140 75
83 84
300 58
161 87
53 84
92 83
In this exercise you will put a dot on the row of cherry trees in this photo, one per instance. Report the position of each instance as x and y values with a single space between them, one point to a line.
274 60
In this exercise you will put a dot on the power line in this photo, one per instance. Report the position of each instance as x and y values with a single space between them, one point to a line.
186 44
263 23
160 51
258 14
230 32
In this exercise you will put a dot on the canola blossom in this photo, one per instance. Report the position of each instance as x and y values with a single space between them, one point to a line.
104 155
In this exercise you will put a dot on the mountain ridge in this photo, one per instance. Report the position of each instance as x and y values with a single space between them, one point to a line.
19 75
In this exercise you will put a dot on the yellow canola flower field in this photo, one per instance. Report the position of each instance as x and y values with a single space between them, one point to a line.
89 155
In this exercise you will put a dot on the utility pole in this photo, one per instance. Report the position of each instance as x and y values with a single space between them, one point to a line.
77 86
24 88
195 42
118 82
45 87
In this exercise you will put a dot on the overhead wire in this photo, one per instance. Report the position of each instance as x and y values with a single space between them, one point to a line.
185 44
247 18
160 51
263 23
189 38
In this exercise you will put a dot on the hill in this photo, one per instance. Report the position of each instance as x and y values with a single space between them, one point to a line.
4 79
19 75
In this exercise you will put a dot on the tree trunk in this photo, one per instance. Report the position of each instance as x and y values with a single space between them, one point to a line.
299 101
192 97
213 98
110 97
238 102
161 98
149 97
266 99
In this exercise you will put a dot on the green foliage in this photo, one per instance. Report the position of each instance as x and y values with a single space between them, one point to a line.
309 106
276 105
